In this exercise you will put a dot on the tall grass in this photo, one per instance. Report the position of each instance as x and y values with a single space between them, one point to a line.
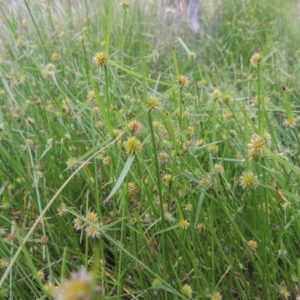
164 175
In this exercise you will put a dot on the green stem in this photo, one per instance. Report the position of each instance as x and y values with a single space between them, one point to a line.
37 30
287 105
261 100
159 187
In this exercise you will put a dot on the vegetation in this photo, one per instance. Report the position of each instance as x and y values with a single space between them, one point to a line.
138 161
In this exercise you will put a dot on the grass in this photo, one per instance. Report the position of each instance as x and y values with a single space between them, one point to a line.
163 175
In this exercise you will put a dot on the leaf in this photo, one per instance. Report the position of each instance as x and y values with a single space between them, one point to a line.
121 177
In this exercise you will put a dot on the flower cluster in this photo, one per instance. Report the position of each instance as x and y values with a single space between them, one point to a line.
49 70
255 59
91 224
256 147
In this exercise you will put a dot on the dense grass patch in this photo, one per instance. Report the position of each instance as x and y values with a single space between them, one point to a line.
165 164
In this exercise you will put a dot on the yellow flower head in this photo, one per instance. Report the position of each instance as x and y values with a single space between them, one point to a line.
95 110
167 178
30 121
3 263
284 292
190 130
155 55
183 81
206 183
50 67
78 224
124 4
200 143
116 132
55 56
249 180
226 99
71 162
192 55
256 147
156 125
79 286
289 123
201 83
228 117
49 288
91 217
188 207
91 96
257 143
156 284
93 230
62 210
41 274
100 59
152 103
252 245
201 227
20 43
255 59
219 169
30 142
216 94
214 148
163 157
267 137
216 296
169 217
106 160
184 224
100 124
133 189
187 291
132 146
47 73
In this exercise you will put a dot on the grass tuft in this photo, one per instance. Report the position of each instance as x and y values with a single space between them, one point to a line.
139 161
